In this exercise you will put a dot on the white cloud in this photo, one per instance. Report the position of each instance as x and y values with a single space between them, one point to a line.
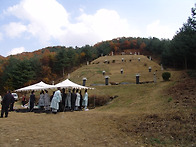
15 51
103 25
47 20
15 29
155 29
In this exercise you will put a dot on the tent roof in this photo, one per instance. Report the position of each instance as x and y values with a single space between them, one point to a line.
64 84
38 86
69 84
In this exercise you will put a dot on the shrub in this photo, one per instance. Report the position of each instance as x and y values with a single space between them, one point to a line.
98 100
192 73
166 76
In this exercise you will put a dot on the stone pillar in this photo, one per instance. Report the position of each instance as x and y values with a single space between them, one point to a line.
106 80
121 71
137 78
122 59
84 81
103 72
155 78
149 69
162 67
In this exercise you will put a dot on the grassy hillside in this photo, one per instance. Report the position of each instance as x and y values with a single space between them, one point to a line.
129 95
131 66
153 114
150 109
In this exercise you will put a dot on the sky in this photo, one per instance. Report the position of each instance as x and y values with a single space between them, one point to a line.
29 25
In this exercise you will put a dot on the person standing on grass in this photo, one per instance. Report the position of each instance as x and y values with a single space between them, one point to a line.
68 100
73 100
41 100
12 101
77 104
55 101
23 100
46 101
81 99
52 96
5 103
32 101
63 100
85 100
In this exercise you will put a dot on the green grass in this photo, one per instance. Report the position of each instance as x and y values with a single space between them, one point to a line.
131 97
93 72
136 103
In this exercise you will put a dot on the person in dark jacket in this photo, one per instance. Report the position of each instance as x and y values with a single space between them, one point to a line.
81 99
73 99
5 104
12 101
32 100
63 99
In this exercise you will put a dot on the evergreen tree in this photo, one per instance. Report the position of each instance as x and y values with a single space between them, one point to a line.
183 45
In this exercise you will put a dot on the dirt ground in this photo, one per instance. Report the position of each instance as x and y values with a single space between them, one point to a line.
90 128
175 127
93 128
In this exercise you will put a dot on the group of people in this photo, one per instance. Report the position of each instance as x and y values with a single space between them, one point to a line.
60 101
7 102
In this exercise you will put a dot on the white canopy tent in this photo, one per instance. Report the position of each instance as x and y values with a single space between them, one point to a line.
41 86
38 86
69 84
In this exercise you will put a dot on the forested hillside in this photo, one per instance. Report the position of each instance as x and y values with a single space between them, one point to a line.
51 63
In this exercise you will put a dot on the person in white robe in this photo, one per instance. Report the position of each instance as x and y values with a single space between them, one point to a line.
46 100
85 100
77 104
55 101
